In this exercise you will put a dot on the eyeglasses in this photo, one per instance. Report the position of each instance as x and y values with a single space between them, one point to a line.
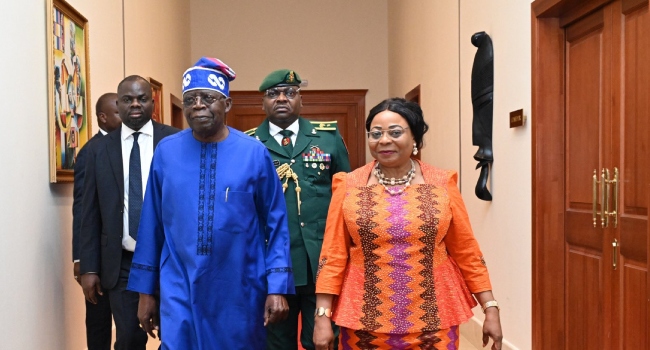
393 133
206 99
290 93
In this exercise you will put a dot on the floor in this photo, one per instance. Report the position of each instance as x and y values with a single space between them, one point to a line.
465 344
153 344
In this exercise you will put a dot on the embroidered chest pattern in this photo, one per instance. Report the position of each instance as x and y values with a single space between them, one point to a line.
366 224
207 195
429 216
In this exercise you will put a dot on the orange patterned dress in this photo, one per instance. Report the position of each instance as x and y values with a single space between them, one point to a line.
403 266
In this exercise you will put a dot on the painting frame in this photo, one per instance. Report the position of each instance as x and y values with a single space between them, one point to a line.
68 81
158 114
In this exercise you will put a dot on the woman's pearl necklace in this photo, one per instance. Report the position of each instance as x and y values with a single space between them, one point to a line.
404 181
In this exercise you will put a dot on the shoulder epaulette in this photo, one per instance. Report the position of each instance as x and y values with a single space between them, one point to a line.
321 125
250 132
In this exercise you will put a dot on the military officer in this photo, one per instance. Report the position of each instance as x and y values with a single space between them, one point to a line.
306 155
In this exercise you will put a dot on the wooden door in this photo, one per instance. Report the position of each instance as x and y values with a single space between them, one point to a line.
347 107
591 288
631 154
176 108
587 143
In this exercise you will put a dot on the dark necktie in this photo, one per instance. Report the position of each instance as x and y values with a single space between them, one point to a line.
286 141
135 188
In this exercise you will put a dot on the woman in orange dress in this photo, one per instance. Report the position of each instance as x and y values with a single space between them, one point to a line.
399 262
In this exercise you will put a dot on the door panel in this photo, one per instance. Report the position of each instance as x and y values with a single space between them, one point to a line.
584 117
634 327
636 109
584 297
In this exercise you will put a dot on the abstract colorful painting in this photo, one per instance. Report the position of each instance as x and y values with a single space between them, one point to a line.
69 95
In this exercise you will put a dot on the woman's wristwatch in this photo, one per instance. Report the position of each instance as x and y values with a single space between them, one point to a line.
491 303
321 311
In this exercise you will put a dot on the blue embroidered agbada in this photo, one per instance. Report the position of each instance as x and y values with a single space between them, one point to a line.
213 237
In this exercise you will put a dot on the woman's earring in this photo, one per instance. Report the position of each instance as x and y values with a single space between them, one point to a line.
415 149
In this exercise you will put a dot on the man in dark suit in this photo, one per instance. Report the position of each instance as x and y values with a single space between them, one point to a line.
99 321
116 174
306 155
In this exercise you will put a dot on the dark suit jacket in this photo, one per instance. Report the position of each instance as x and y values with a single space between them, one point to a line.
79 173
102 206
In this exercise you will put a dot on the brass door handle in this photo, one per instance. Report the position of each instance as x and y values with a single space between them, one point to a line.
595 211
614 213
594 192
615 253
606 197
606 184
605 188
603 199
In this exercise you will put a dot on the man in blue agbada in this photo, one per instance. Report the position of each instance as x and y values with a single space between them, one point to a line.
213 236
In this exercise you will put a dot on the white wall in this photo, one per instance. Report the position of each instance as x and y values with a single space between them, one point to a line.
503 226
429 44
42 307
336 44
423 50
158 43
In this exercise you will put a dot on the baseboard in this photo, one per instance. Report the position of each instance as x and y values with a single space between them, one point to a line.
472 330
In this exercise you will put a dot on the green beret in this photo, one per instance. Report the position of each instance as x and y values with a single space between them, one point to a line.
280 77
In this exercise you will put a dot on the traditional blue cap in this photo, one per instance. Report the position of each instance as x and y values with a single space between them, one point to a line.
209 73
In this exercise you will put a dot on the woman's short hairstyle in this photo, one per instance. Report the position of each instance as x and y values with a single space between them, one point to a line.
410 111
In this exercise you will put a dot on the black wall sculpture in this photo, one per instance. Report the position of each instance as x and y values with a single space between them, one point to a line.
482 95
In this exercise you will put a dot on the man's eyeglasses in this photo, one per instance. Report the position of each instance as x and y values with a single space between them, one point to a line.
206 99
393 133
290 93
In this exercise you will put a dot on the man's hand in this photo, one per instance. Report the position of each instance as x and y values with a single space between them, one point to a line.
75 271
276 309
148 314
92 286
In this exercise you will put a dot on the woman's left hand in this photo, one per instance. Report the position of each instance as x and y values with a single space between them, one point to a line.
492 328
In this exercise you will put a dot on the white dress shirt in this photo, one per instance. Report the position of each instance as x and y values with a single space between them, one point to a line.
274 131
145 141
